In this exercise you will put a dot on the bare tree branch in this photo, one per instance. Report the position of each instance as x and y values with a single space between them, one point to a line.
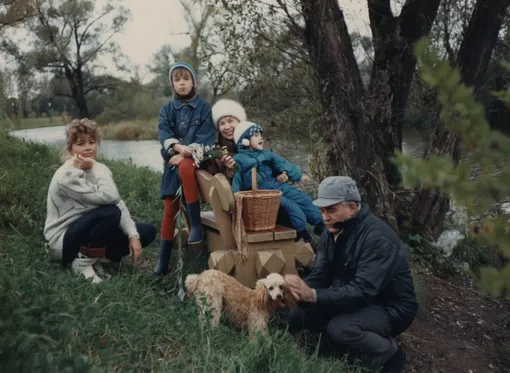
293 24
92 54
92 23
15 13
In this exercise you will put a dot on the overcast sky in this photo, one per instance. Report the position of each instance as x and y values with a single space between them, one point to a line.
154 23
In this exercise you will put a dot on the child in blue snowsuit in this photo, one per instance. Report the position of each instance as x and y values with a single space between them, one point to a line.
273 172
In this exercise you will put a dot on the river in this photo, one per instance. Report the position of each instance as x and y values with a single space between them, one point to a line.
146 152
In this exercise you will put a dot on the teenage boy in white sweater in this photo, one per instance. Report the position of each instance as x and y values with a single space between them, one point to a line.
86 219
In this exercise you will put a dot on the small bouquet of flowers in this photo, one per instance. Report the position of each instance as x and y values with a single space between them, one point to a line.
202 153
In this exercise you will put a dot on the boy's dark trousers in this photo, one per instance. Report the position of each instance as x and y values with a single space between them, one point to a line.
99 229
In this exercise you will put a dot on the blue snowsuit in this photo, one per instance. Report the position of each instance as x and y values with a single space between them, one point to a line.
182 123
297 204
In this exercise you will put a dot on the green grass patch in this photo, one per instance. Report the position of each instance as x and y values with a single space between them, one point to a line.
54 321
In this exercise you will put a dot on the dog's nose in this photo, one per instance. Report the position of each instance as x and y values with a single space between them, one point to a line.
279 296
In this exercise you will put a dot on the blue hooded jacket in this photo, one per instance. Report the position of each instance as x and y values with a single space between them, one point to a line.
269 166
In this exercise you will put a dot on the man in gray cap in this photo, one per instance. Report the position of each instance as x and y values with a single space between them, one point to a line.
360 289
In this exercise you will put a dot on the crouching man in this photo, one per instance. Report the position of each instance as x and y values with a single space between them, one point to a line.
360 289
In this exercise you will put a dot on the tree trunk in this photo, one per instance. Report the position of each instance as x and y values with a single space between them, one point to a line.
393 70
363 129
430 206
77 91
81 101
342 97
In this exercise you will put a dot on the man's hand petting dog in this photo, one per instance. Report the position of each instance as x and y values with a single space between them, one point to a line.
299 289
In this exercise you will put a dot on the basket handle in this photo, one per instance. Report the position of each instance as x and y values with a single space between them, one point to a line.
254 184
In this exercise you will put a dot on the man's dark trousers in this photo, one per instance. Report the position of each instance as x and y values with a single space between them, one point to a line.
368 330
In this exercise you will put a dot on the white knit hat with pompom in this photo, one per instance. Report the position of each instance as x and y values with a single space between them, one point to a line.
244 131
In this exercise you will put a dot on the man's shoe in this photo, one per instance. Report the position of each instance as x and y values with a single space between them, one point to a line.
318 229
396 363
100 269
305 235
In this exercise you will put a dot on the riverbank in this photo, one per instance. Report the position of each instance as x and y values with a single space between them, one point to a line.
122 130
29 123
53 320
131 130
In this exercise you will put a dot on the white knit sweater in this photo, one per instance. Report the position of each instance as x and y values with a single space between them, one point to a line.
73 192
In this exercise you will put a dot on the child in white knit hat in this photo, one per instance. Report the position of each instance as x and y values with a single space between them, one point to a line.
226 115
273 172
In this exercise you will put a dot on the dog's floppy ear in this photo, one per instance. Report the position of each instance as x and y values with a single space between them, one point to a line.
288 298
261 295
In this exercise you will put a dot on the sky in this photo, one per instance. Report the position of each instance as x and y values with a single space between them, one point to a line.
157 22
154 23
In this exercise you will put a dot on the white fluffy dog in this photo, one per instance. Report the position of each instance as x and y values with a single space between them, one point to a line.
243 306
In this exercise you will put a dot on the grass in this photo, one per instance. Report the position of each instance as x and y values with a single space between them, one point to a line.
22 123
54 321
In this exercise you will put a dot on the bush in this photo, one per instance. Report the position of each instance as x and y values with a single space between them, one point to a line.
131 130
135 106
484 150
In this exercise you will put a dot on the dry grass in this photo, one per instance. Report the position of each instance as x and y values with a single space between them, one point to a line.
131 130
22 123
122 130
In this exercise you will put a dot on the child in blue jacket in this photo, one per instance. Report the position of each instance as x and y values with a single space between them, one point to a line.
184 121
273 172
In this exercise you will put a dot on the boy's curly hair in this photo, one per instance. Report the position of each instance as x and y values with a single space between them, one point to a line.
78 128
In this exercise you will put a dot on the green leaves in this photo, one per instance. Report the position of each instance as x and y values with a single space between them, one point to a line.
483 176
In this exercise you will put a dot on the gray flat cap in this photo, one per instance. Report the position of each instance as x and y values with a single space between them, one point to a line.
336 189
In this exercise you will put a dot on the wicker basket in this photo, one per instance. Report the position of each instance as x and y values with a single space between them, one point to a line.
260 207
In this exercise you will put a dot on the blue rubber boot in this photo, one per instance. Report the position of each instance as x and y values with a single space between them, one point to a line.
165 251
196 230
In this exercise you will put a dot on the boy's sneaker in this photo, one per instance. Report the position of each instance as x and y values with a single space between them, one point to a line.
396 363
100 269
84 265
